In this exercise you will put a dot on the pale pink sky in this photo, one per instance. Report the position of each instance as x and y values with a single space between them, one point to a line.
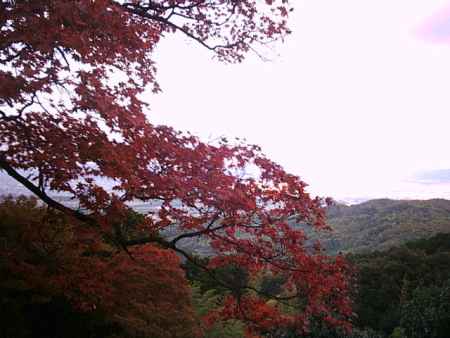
356 102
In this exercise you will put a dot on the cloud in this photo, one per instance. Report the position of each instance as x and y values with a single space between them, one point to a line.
436 28
441 176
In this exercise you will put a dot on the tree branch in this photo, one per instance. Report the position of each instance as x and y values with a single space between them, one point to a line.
143 13
43 196
204 231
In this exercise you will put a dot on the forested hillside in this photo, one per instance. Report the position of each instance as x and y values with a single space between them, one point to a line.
405 289
382 224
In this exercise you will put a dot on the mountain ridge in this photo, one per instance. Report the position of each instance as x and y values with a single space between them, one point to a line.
383 223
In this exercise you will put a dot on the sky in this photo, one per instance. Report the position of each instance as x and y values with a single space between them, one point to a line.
356 101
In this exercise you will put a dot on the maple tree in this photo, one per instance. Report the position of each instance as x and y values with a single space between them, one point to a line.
45 257
72 116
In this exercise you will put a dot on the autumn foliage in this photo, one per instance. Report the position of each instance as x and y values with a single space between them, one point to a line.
73 75
146 296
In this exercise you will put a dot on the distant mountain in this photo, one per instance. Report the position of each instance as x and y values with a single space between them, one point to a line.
383 223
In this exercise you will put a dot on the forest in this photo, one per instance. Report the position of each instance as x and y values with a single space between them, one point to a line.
77 79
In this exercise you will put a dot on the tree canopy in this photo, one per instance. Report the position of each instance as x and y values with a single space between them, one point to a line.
73 116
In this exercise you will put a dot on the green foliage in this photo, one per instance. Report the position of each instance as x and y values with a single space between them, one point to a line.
209 300
207 296
387 279
427 313
398 332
